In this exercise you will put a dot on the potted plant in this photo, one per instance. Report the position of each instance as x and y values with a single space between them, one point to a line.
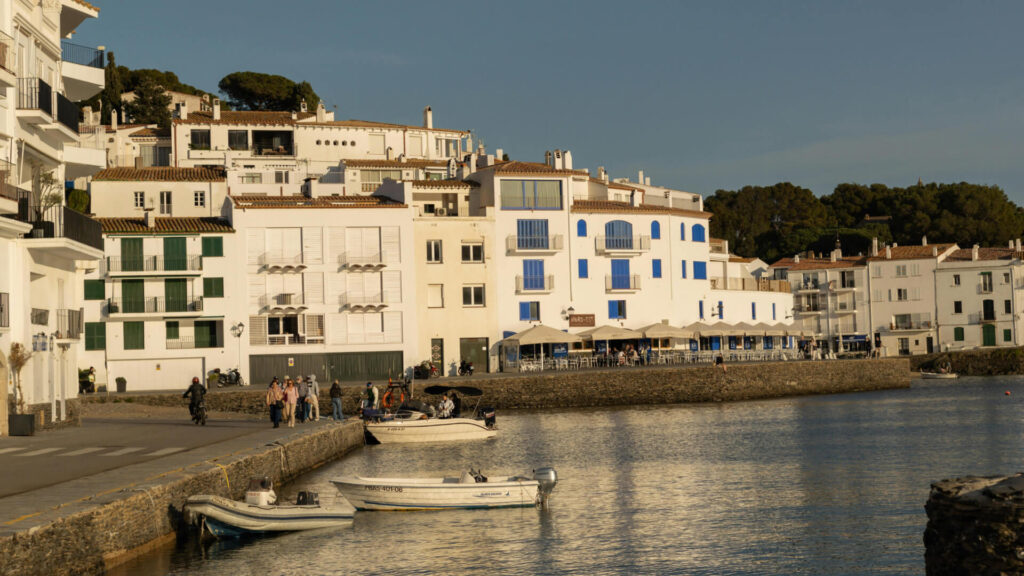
46 193
19 424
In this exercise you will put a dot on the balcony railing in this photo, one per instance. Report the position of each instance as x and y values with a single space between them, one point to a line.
154 305
190 263
282 300
369 187
83 55
5 310
60 222
374 259
514 243
280 259
535 283
67 113
808 308
984 288
361 300
750 284
6 52
621 283
912 325
812 286
69 324
188 343
34 94
623 243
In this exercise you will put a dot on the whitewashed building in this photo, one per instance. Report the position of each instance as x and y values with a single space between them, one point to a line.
980 297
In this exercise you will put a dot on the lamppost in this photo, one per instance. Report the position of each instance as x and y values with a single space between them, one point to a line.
237 330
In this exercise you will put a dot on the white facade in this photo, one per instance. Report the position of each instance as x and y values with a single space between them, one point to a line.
165 192
980 295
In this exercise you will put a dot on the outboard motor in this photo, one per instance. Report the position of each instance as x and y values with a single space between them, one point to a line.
487 413
308 498
547 479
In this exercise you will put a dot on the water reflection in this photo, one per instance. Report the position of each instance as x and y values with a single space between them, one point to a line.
831 484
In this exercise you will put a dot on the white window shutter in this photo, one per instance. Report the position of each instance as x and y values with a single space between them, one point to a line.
314 325
392 327
275 286
275 242
335 288
355 329
371 284
292 241
257 330
257 288
391 245
336 241
312 245
373 328
337 328
435 295
915 293
255 244
391 282
313 287
371 241
354 285
354 241
292 284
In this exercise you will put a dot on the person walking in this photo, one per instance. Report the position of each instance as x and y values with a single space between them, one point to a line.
274 402
291 397
303 390
336 402
720 362
372 396
313 399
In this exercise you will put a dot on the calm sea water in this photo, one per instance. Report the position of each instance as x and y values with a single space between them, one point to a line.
813 485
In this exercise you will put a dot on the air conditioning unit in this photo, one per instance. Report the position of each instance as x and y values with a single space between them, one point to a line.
440 211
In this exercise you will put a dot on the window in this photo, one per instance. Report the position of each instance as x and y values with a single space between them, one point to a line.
529 311
958 334
435 295
618 235
140 199
533 274
698 233
956 279
901 294
616 309
95 290
753 310
721 310
95 336
656 268
165 202
620 275
531 195
700 309
199 139
472 295
172 329
901 270
199 199
134 335
376 144
1007 335
682 231
684 269
1007 307
238 139
655 230
473 252
1006 277
958 307
213 287
583 268
251 178
581 228
532 234
213 246
281 177
434 251
986 281
700 270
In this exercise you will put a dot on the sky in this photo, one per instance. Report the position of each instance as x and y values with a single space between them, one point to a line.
699 95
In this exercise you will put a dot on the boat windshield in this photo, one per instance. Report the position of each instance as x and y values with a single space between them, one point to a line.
260 484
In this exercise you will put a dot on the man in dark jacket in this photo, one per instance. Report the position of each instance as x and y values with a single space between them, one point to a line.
195 395
336 401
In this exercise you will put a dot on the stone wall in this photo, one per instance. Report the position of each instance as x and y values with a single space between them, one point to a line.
91 540
43 413
984 362
975 526
613 387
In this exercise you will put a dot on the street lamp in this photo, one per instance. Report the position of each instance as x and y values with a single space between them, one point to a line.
237 330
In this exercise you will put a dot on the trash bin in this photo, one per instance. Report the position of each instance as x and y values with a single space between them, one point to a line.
21 424
122 384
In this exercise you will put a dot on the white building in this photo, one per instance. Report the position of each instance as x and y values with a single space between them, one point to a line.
980 297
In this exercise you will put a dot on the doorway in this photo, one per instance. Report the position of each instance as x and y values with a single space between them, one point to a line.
474 350
988 335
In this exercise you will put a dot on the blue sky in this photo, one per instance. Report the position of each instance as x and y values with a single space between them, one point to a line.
700 96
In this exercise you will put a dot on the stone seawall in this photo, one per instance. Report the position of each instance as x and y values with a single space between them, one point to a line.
614 387
987 362
89 540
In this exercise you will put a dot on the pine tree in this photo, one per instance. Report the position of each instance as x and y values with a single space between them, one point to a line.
112 88
150 105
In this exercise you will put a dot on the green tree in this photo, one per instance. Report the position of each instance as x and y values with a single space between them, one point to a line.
78 200
258 91
150 105
112 89
767 221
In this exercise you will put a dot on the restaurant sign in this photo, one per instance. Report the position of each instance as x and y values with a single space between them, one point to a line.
581 320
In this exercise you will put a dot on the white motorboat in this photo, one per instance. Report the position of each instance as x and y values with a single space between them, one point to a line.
415 421
938 375
470 490
260 513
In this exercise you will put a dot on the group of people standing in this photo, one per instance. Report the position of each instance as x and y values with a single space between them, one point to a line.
300 400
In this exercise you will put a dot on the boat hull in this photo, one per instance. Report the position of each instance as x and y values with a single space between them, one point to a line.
435 493
226 517
938 376
429 430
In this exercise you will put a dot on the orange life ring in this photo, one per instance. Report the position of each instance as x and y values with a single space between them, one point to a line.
386 400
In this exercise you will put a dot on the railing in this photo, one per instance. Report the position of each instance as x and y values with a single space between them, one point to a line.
83 55
514 243
750 284
34 94
808 308
60 222
6 52
293 339
5 310
846 284
369 187
190 263
361 300
985 288
39 317
67 113
374 259
188 343
69 324
844 307
807 286
918 325
717 248
154 305
6 190
623 243
625 282
280 259
282 300
535 283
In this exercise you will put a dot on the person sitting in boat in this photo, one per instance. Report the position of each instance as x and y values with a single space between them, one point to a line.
456 404
446 407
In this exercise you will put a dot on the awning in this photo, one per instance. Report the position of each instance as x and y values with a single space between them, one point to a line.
776 330
541 334
610 333
854 338
707 330
662 330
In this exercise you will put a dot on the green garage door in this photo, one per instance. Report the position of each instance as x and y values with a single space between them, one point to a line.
988 335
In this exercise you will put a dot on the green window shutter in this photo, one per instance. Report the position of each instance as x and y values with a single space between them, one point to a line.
206 334
1007 335
134 335
95 290
95 336
176 295
172 330
131 255
213 246
958 334
213 287
133 296
175 256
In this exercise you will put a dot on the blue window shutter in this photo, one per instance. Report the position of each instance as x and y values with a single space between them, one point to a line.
613 309
656 268
753 310
773 311
581 228
721 310
524 310
700 309
533 274
684 268
655 230
583 268
698 233
700 270
682 231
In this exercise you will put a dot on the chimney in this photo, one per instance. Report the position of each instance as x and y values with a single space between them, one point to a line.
548 158
1011 244
559 160
499 154
796 259
602 174
935 251
974 252
874 246
895 244
888 253
302 106
647 181
321 112
567 160
216 108
1018 244
428 117
472 162
295 115
113 120
183 110
924 240
832 255
640 178
489 160
149 219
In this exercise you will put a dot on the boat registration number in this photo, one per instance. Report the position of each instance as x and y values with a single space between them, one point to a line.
383 488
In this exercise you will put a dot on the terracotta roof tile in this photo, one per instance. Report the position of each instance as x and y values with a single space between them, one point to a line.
611 206
965 254
160 174
408 163
257 117
87 5
371 124
445 184
258 201
148 132
88 129
911 252
529 168
740 259
165 226
820 263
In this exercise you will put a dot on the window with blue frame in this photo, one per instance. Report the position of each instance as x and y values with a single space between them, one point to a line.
581 228
700 270
616 309
732 342
700 309
721 310
620 274
531 195
753 310
618 235
655 230
698 233
683 268
533 274
583 271
529 311
656 268
682 231
532 234
773 311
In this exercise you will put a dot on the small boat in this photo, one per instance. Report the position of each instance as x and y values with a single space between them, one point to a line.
260 513
469 490
416 421
938 375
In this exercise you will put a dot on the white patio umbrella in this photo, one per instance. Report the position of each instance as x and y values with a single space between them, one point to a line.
540 334
662 330
608 333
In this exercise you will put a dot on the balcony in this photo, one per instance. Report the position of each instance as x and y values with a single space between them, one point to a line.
374 260
841 308
56 226
534 284
69 325
750 284
155 265
533 244
67 119
984 287
127 306
7 77
284 303
622 244
35 101
39 317
276 261
361 301
808 309
911 326
188 343
83 161
623 283
9 195
293 339
812 286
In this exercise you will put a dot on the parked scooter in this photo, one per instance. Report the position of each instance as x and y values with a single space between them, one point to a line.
230 378
465 368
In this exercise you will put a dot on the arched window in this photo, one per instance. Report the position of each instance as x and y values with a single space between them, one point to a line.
581 228
655 230
618 235
698 233
682 231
